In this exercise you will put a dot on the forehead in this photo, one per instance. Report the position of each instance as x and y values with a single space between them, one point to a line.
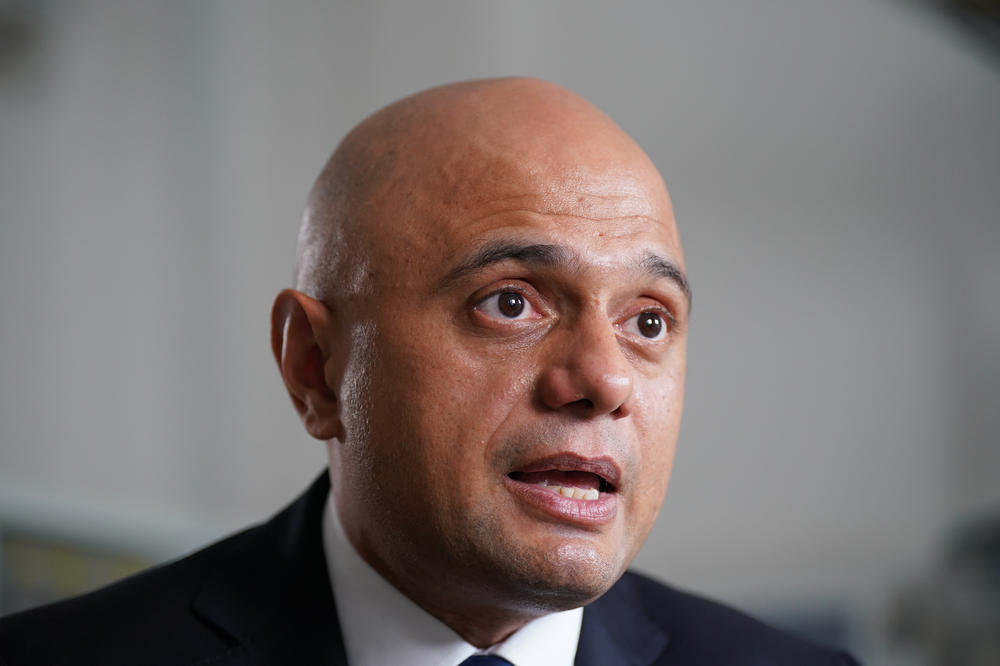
605 212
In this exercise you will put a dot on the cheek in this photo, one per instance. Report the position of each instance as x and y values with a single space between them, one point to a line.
658 417
439 406
356 395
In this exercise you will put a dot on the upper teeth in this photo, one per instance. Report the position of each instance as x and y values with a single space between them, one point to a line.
572 493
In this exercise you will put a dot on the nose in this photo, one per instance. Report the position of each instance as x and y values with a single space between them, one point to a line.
588 372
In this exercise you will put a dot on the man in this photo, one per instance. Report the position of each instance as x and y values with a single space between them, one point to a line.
488 330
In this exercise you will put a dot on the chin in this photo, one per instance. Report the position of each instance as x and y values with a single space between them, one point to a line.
565 577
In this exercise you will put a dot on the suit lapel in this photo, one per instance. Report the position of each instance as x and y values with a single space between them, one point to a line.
272 594
617 630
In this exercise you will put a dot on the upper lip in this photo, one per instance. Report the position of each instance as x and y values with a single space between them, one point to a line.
602 466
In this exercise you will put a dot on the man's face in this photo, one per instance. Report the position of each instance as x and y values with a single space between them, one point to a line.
513 394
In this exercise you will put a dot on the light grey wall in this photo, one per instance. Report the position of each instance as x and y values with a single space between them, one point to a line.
834 169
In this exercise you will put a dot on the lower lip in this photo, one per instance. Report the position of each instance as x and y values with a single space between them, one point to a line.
585 513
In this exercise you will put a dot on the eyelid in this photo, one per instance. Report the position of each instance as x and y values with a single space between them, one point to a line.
666 306
499 288
668 315
669 321
530 296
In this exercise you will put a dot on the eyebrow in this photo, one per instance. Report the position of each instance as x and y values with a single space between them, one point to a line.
664 268
548 255
498 251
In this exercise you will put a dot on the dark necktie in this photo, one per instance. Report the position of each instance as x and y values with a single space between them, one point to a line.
485 660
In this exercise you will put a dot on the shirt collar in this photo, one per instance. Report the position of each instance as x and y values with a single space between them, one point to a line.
381 626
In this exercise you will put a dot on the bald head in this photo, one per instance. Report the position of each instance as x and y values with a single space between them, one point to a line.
451 149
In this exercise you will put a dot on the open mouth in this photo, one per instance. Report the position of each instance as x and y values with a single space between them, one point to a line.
574 484
567 488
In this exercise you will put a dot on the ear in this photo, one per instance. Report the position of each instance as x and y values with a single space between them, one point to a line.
302 339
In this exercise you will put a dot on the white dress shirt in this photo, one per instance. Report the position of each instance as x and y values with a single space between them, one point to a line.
381 626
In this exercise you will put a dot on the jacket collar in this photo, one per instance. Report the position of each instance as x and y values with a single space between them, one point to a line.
272 594
618 630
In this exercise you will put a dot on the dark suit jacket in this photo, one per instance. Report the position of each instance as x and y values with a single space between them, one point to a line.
263 597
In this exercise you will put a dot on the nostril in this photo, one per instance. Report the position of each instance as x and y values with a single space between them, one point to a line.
622 410
582 407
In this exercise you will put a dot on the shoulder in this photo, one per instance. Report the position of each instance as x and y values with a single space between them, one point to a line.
142 618
702 631
244 598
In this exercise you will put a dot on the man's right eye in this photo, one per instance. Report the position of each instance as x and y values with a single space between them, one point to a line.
506 305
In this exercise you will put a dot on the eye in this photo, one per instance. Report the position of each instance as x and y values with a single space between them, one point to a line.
649 324
506 305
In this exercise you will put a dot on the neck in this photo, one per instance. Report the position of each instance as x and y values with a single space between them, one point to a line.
481 626
474 614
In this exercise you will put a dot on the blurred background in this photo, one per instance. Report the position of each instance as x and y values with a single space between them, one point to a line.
834 168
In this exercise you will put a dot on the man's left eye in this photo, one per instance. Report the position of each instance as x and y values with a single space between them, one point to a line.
650 325
507 305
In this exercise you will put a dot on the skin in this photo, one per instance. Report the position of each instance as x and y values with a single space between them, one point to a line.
396 352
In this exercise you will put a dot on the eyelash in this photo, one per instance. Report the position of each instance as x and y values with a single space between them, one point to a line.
666 322
529 300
